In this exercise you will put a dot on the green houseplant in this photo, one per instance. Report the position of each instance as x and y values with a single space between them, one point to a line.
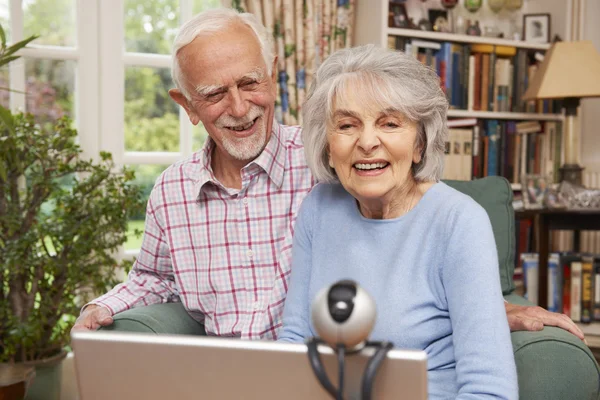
62 219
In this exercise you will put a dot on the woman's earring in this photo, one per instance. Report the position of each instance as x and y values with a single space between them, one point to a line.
330 161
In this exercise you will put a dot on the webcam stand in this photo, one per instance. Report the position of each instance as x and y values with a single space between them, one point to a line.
368 375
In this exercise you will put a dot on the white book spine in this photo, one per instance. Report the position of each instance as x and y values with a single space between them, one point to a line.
576 268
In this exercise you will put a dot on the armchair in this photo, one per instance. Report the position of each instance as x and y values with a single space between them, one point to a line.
551 364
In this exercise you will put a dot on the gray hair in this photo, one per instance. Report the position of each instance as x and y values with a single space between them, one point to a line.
211 21
389 78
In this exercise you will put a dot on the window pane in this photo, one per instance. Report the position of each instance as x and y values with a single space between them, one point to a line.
5 18
201 5
50 87
52 20
199 136
145 176
150 25
151 117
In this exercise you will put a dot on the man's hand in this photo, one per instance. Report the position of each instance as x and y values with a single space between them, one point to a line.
92 318
533 318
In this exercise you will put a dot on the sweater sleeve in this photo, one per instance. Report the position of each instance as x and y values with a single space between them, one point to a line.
485 365
296 313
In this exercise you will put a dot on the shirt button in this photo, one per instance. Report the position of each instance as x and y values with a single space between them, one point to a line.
245 201
256 305
249 253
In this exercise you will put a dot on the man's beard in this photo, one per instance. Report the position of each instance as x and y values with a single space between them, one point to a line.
247 148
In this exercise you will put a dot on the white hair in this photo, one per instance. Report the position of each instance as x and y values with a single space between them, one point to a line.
211 21
389 80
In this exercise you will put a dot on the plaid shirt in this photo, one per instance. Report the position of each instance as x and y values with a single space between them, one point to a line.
224 253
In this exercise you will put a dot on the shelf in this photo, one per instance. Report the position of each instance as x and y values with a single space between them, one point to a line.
515 186
504 115
452 37
591 332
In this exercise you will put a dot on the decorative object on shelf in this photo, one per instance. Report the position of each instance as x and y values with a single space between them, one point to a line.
439 20
492 31
474 29
577 197
458 25
398 15
534 188
570 71
473 5
496 5
513 5
554 200
449 4
536 28
425 25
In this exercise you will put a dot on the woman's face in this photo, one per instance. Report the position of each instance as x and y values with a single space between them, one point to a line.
371 149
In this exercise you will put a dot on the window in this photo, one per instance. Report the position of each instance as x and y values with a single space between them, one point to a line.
106 64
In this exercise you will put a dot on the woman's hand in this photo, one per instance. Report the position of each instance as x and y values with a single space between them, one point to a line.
533 318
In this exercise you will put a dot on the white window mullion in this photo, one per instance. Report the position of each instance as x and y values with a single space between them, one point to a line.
17 69
87 89
185 126
147 60
112 78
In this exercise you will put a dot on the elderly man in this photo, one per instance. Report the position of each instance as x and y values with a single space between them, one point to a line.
219 224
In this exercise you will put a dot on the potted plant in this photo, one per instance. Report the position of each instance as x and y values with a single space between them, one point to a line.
62 219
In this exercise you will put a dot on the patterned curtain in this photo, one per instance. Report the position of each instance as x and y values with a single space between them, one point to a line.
304 33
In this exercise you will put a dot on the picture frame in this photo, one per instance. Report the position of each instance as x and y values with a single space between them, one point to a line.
536 28
534 188
439 20
398 16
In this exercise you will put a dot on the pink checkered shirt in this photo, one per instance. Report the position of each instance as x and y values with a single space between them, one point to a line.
224 253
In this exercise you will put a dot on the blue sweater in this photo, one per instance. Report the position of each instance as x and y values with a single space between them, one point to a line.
433 273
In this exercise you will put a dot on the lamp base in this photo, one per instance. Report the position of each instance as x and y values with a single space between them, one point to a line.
571 173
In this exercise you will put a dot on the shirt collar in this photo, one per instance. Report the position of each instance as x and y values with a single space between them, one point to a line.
271 160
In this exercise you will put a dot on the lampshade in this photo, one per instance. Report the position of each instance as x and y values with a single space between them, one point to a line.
569 69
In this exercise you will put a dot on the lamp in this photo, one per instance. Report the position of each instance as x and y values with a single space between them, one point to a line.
570 71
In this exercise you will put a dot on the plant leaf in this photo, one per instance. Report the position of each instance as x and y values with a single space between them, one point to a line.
2 37
6 60
7 118
18 46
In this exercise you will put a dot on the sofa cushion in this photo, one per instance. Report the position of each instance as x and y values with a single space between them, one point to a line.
494 194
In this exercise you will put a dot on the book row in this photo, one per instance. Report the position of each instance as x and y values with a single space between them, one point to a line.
480 77
573 283
479 148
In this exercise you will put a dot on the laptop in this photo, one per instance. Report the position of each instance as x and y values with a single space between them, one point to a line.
119 365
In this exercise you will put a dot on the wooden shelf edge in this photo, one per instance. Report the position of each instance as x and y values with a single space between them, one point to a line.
452 37
505 115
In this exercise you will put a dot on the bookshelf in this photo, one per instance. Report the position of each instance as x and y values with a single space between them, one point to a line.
453 37
513 116
372 28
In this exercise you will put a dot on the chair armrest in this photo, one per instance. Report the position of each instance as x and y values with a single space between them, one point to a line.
553 363
170 318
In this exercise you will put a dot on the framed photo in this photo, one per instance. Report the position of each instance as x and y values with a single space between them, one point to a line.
536 28
439 20
398 17
534 189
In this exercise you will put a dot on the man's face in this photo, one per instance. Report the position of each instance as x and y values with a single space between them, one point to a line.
231 91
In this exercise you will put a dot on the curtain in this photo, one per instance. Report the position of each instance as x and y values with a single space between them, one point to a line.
304 33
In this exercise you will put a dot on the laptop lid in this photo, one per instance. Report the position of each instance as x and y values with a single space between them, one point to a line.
119 365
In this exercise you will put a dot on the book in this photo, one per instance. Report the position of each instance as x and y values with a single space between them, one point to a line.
530 274
507 51
576 270
586 288
596 285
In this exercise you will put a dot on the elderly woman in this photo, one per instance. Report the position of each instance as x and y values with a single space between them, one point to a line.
374 138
